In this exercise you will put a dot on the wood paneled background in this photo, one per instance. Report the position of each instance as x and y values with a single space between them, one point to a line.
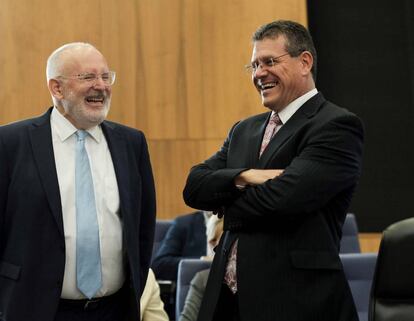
179 64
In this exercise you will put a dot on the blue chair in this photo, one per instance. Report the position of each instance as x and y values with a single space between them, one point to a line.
350 240
161 228
358 267
186 271
359 270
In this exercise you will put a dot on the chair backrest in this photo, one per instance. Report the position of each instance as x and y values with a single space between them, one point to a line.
392 295
161 228
350 240
186 271
359 270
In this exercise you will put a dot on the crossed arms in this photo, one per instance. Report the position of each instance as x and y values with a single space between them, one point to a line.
328 161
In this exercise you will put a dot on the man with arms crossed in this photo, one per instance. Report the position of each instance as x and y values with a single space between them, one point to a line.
283 181
77 202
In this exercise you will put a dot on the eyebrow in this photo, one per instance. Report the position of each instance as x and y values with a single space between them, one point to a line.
264 57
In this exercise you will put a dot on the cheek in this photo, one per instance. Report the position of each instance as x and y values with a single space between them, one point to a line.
77 94
255 83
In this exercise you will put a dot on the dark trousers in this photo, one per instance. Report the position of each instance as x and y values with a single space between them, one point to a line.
111 308
227 308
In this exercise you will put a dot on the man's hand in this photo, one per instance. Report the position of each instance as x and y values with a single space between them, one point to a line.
219 212
256 176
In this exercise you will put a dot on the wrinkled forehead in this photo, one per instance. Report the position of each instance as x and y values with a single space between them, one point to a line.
269 47
83 59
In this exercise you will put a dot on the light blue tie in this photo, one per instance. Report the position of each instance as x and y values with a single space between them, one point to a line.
88 257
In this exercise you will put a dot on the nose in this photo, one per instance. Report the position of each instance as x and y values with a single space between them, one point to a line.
259 72
99 83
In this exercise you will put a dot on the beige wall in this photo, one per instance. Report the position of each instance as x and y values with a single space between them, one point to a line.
179 64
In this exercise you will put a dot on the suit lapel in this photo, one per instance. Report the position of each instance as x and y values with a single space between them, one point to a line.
256 135
117 145
299 118
41 140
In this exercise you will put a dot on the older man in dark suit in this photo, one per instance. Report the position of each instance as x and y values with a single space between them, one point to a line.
77 202
283 181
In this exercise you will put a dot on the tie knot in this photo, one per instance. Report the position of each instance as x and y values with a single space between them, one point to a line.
275 119
81 134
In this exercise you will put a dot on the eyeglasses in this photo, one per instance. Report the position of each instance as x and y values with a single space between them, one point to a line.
266 63
108 78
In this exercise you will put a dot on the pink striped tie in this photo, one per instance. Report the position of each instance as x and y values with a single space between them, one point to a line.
274 121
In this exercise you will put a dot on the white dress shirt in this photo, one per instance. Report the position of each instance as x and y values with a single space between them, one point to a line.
290 109
107 204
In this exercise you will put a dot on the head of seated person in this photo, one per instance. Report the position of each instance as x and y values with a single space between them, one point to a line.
214 230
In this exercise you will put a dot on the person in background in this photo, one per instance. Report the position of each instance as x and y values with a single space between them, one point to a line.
192 303
77 202
186 238
283 180
152 308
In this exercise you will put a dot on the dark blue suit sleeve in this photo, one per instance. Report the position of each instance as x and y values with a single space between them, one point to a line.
147 221
3 188
210 185
165 264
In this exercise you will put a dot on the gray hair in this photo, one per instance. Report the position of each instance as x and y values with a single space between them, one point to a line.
54 62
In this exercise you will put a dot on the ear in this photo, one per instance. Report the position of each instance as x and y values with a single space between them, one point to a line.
306 60
55 88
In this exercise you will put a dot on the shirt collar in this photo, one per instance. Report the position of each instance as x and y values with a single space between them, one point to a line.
64 128
290 109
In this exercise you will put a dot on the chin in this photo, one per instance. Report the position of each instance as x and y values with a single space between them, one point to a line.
97 118
91 119
268 104
97 115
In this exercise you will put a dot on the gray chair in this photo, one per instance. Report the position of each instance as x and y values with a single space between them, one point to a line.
350 240
359 270
392 295
161 228
186 271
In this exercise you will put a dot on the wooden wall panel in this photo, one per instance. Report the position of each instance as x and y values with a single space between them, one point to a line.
171 160
179 64
370 242
193 75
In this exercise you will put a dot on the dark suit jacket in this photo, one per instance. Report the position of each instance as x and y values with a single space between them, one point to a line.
32 245
186 238
289 228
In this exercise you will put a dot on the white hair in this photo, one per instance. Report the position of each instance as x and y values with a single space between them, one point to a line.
55 64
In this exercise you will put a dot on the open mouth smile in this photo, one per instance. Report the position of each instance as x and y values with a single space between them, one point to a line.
267 86
99 99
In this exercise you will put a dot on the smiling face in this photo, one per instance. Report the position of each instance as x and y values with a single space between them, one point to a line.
289 77
83 103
